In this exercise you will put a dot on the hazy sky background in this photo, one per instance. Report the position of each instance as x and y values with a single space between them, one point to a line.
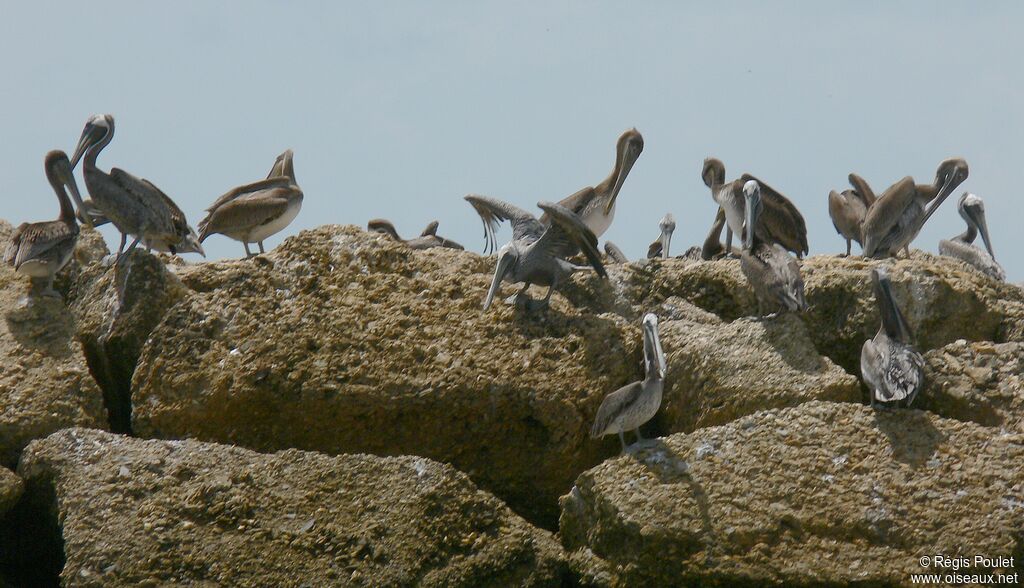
398 109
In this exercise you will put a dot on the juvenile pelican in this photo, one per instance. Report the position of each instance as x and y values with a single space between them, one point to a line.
134 205
428 239
40 250
891 368
537 251
660 246
895 219
962 247
634 404
253 212
615 255
773 273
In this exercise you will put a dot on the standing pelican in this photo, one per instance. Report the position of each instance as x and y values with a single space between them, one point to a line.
895 219
428 239
962 247
773 273
891 368
659 248
134 205
780 221
634 404
253 212
40 250
615 255
537 251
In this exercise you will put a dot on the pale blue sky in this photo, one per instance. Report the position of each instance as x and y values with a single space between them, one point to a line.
398 109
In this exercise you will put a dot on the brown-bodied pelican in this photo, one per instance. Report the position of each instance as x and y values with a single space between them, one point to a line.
772 272
632 405
712 247
896 217
253 212
428 239
660 246
848 209
780 221
537 251
891 368
134 205
962 247
40 250
615 255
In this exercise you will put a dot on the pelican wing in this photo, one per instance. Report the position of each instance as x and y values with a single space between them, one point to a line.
145 193
614 253
885 214
654 249
903 373
493 211
847 212
613 406
431 230
780 217
867 195
247 189
713 242
246 213
575 203
31 241
568 234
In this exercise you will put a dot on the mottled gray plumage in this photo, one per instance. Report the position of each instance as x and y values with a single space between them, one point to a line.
962 247
892 369
428 239
771 271
537 252
632 405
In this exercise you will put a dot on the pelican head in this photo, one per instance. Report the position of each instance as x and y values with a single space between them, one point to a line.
972 209
508 255
892 319
667 226
58 170
98 129
384 227
713 172
627 150
654 357
951 173
189 243
751 212
283 166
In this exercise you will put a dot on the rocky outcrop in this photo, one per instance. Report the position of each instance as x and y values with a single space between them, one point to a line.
980 382
821 494
138 512
10 490
44 381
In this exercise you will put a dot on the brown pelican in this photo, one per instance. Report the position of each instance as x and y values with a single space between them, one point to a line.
634 404
891 368
615 255
712 247
896 217
428 239
773 273
40 250
780 222
537 251
659 248
962 247
255 211
849 208
134 205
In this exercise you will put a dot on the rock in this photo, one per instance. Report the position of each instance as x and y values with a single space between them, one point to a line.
820 494
117 307
979 382
10 490
843 312
343 341
712 380
45 384
148 513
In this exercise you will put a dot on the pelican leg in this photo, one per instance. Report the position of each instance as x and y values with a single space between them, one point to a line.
848 247
728 242
120 248
906 249
520 297
639 437
261 247
547 299
127 252
248 253
622 440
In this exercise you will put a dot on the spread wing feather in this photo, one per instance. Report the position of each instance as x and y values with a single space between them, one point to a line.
493 211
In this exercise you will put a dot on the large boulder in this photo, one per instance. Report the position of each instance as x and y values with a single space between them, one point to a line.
981 382
45 383
149 513
344 341
10 490
820 494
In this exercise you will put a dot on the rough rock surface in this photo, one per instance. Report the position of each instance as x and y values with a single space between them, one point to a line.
981 382
824 493
44 381
148 513
10 490
711 379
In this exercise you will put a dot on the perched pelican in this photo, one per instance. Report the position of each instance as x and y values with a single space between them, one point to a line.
428 239
659 248
634 404
892 369
712 247
615 255
773 273
780 221
255 211
848 209
895 219
962 247
537 251
40 250
134 205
